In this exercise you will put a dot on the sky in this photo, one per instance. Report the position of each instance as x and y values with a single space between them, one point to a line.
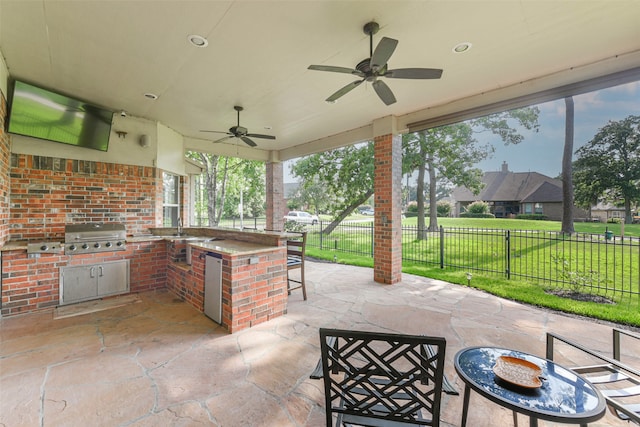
542 151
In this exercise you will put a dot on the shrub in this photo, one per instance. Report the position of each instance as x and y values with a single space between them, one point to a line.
476 215
538 217
444 209
294 226
614 221
478 207
412 207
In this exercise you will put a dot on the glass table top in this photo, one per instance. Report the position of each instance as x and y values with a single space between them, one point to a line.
563 395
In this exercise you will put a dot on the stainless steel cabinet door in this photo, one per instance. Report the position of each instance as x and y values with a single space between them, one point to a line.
78 284
113 278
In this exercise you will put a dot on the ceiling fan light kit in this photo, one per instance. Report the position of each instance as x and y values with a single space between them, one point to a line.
241 132
374 67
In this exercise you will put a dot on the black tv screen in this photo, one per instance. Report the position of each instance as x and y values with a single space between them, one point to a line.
40 113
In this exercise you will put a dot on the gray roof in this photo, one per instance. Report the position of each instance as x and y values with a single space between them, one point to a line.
514 187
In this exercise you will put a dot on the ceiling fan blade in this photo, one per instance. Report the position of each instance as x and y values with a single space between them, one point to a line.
216 131
384 92
335 69
383 52
257 135
223 139
248 141
414 73
348 88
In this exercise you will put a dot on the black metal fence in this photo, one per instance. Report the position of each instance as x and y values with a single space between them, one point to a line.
595 264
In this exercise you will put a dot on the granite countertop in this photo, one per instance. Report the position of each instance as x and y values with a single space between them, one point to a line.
216 244
233 247
15 246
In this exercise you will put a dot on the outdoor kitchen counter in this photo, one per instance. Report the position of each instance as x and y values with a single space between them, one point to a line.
253 273
15 246
232 247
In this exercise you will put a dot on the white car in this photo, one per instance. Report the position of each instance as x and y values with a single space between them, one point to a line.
301 217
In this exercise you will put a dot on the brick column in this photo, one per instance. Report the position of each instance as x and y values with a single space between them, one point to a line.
275 196
387 249
5 159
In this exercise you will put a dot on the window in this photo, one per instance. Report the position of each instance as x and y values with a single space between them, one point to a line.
538 208
170 199
528 208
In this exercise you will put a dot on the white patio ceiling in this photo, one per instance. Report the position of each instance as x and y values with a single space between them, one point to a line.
113 52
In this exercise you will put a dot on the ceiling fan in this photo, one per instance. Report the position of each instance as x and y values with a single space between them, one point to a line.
240 132
375 66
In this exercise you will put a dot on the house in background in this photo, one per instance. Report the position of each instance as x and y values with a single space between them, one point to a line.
602 212
512 193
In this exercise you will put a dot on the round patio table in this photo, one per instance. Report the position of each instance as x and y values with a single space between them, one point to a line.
563 397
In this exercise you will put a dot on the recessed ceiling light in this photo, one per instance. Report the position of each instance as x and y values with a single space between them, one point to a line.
197 41
151 96
462 47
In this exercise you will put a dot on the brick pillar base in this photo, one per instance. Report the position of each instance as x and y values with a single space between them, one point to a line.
387 249
275 196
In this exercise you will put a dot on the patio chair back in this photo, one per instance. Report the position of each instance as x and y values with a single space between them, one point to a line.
296 248
380 379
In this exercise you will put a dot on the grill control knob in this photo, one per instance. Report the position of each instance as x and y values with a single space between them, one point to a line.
108 244
85 246
97 245
72 248
44 247
119 243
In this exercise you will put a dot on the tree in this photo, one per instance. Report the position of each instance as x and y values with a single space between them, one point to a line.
346 175
567 170
608 166
215 184
223 179
446 153
246 183
449 152
311 195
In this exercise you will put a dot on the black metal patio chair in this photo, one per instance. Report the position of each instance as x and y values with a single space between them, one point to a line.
618 382
381 379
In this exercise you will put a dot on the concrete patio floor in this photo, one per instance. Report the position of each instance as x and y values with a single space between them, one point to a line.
159 362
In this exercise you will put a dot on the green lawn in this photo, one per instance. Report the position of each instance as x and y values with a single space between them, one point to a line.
478 257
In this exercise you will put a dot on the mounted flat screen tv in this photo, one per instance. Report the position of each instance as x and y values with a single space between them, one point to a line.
39 113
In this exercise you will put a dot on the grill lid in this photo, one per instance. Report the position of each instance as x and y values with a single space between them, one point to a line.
94 231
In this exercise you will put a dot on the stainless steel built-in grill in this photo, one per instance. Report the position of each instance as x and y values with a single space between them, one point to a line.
94 237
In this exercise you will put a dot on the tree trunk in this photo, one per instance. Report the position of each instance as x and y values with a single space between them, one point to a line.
421 235
567 172
223 190
433 204
336 221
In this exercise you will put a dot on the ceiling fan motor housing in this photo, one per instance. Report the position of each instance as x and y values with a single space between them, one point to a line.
239 130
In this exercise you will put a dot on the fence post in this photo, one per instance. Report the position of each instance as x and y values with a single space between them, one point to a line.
441 247
373 229
508 254
321 236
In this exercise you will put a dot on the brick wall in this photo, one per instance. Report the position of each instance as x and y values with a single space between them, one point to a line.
185 281
387 250
46 193
276 204
5 154
32 284
252 293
